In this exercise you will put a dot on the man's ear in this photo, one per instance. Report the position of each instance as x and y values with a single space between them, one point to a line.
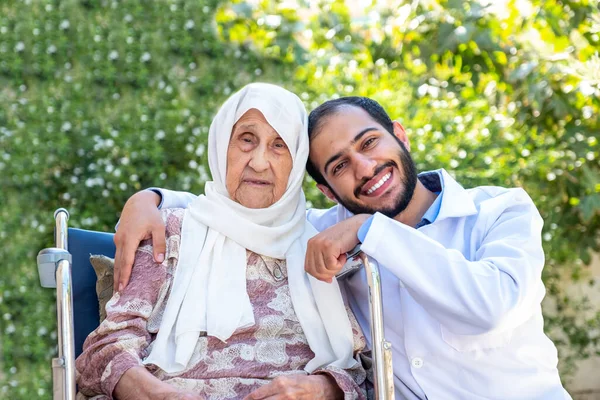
400 133
327 192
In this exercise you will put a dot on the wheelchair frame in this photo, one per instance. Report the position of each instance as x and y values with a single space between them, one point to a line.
54 268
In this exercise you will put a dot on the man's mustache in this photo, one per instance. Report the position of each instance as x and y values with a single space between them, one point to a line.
364 181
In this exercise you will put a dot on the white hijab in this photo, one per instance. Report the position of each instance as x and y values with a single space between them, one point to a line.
209 287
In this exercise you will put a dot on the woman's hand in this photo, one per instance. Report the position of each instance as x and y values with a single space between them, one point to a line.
298 387
182 396
140 220
138 383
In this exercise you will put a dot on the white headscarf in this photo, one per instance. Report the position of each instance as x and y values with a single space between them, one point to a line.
209 287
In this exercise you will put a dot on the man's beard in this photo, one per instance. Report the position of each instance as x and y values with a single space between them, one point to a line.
409 181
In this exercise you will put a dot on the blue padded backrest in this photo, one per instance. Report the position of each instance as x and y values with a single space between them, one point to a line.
82 244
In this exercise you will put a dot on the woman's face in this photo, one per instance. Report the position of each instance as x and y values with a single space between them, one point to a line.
258 162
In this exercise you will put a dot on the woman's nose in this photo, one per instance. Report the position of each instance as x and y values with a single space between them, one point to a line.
260 160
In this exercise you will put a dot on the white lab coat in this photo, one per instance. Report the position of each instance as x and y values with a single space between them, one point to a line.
462 296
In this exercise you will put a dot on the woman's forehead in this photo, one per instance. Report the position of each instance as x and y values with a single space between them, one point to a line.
254 120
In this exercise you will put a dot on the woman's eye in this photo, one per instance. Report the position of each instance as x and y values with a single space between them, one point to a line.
280 145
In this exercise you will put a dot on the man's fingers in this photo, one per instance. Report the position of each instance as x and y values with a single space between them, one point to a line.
158 244
117 271
127 259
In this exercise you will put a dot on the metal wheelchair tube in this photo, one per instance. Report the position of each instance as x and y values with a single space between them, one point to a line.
61 233
383 374
64 366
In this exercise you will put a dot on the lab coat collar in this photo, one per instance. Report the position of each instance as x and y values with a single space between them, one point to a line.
456 201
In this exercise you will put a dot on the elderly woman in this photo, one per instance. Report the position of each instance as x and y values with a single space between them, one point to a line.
230 312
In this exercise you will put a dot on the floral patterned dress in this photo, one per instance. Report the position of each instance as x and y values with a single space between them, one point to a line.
253 356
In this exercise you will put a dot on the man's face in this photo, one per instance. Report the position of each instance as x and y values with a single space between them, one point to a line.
368 169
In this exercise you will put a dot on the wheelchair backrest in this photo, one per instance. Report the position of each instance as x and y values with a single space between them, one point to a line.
82 244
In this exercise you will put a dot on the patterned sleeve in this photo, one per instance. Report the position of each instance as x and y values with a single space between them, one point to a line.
121 340
351 381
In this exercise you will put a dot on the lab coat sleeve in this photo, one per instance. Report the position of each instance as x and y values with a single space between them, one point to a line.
498 289
322 219
173 199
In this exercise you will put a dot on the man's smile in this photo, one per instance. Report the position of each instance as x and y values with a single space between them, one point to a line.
378 184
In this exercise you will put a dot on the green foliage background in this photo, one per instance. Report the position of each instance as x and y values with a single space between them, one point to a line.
100 98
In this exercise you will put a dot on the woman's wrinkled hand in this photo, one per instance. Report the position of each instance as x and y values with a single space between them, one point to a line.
298 387
140 220
183 396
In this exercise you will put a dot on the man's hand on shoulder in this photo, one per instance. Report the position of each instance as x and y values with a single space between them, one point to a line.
326 251
140 220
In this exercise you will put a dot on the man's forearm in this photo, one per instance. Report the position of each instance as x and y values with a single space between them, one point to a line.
141 197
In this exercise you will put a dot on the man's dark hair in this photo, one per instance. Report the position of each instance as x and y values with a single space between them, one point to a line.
319 115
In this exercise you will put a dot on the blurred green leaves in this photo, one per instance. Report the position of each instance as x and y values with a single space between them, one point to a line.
100 98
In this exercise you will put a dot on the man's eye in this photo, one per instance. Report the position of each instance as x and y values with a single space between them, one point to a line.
369 142
338 167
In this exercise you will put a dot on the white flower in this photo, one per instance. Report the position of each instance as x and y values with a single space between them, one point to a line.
189 24
145 57
273 21
113 55
66 126
65 24
19 47
51 49
460 31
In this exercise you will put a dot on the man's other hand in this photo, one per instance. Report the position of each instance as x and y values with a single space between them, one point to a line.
140 220
326 251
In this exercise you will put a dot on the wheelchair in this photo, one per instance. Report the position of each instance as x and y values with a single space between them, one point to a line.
67 268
